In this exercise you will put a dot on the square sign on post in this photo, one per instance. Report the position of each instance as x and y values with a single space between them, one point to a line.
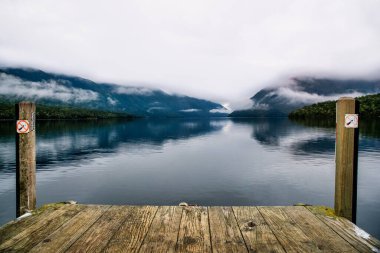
351 120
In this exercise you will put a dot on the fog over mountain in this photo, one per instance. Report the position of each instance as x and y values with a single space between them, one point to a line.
298 92
55 89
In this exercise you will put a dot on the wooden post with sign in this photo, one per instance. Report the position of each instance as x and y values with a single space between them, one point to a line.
346 157
25 157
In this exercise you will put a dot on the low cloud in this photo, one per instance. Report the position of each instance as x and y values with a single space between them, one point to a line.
134 91
15 87
112 101
220 110
296 96
190 110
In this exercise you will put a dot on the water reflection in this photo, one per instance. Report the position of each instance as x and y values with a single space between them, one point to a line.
74 141
205 162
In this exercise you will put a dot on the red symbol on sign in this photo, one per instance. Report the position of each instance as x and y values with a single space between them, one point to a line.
22 126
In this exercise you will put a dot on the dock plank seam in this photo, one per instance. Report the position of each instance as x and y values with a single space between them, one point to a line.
120 229
341 236
115 232
60 227
14 224
209 227
87 229
179 227
57 233
150 225
65 209
334 230
305 232
241 233
271 229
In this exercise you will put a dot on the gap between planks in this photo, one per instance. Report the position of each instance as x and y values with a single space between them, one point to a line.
187 229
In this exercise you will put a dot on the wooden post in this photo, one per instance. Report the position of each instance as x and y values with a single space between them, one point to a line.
25 158
346 157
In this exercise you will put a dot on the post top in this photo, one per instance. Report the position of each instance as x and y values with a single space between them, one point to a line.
346 98
26 102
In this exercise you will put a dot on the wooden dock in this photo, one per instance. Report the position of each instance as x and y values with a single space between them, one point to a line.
101 228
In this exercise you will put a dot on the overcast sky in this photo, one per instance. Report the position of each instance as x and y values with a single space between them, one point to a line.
220 50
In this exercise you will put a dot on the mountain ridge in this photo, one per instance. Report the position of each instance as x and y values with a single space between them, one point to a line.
57 89
279 101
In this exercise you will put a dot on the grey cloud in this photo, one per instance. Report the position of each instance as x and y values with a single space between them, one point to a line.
223 50
296 97
190 110
134 91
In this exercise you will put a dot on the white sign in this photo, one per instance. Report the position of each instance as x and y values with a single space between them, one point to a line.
22 126
351 120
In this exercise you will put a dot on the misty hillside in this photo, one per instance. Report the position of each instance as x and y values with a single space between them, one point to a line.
369 108
281 100
54 89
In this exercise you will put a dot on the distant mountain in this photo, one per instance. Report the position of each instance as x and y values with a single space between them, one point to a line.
279 101
55 89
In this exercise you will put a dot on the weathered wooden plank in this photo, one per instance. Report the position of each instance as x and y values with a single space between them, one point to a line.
325 238
225 233
13 228
354 235
291 237
132 232
194 232
98 235
34 234
256 232
66 235
163 233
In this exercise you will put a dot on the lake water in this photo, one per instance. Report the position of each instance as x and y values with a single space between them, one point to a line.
204 162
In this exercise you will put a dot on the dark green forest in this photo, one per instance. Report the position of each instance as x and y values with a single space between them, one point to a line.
369 108
7 111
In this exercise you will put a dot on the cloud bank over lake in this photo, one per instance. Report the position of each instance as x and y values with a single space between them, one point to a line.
220 50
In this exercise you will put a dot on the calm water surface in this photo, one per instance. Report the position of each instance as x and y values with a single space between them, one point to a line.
204 162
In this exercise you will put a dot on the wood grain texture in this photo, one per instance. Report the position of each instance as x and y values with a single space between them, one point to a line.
15 227
66 235
98 235
257 234
163 233
94 228
358 238
346 159
225 233
291 237
34 234
194 232
325 238
26 160
132 232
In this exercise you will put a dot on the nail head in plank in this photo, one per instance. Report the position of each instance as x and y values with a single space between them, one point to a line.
256 232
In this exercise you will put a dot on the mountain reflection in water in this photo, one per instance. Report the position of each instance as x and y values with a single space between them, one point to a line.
199 161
